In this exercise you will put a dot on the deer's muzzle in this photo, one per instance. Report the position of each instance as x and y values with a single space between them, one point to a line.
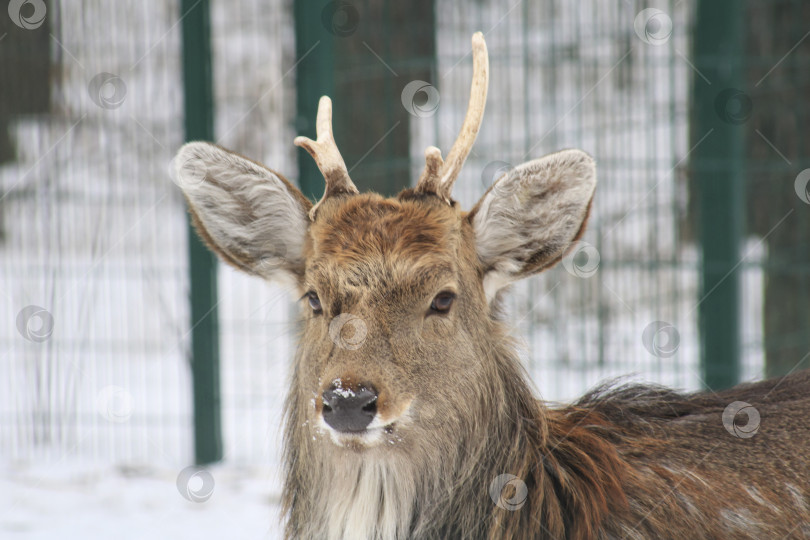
349 410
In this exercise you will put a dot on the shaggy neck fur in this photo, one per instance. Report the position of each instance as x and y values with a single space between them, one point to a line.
631 462
365 499
442 489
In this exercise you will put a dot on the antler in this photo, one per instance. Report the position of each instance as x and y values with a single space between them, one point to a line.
438 176
326 155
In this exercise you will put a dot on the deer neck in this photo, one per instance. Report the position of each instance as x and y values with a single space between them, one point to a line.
572 474
443 488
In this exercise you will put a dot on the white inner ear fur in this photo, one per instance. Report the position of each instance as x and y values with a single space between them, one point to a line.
247 210
536 208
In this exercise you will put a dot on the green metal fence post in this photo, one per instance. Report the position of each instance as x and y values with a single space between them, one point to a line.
717 163
199 125
315 77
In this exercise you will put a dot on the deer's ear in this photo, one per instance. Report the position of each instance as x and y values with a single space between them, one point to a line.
531 216
252 217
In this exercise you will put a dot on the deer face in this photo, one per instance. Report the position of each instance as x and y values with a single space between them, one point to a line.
394 303
396 293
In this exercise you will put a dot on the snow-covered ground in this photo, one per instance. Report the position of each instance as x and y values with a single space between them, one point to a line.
74 499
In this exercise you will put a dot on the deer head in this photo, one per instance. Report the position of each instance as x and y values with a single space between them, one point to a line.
397 293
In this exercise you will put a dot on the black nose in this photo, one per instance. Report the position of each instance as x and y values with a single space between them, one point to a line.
349 410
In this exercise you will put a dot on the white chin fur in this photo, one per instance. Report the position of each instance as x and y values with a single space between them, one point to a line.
375 434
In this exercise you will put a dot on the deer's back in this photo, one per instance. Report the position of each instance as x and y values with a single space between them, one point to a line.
731 464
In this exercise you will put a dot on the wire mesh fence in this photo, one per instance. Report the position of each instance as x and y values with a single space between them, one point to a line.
772 110
94 231
93 236
569 77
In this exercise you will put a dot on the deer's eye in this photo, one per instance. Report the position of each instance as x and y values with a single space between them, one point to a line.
314 302
442 302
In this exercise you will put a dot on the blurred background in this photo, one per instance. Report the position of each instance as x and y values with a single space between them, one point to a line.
141 382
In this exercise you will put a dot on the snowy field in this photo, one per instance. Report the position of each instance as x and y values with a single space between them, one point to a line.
74 499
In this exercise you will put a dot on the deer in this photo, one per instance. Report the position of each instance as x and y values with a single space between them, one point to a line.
409 413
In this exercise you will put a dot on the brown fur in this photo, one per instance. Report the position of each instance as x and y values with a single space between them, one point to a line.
633 462
632 459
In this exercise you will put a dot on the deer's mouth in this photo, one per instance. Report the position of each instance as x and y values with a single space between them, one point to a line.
375 434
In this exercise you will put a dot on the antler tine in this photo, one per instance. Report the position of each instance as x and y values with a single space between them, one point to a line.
472 122
429 181
439 179
327 157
